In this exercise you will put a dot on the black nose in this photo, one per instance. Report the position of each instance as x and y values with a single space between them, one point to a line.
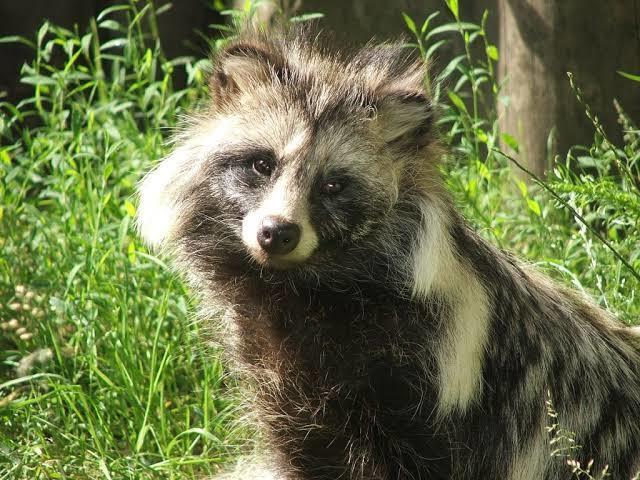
277 236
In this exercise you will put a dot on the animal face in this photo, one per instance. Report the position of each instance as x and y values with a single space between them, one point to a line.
298 191
300 160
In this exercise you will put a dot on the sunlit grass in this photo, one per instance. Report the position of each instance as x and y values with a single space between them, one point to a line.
119 383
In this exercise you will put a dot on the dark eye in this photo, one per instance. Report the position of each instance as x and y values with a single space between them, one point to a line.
332 188
262 166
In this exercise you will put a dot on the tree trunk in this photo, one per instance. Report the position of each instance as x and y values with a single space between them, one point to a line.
542 40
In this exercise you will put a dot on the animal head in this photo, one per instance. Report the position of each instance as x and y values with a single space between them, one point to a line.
304 158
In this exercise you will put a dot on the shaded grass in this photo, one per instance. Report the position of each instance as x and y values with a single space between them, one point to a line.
599 182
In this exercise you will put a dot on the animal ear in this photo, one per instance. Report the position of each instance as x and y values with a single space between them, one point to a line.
405 116
404 109
242 67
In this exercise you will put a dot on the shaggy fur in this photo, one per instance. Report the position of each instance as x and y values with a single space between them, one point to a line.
393 342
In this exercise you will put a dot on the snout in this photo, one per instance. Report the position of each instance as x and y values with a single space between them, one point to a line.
277 236
277 240
278 232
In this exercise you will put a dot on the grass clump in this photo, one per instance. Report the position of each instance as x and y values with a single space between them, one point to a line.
101 369
102 372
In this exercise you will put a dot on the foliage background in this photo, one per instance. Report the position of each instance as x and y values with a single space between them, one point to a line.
103 371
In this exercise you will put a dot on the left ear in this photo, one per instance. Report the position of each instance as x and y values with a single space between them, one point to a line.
405 116
404 110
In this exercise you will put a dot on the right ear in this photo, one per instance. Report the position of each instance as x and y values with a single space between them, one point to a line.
240 68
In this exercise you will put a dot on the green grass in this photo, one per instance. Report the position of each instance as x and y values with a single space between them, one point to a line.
580 225
103 369
128 389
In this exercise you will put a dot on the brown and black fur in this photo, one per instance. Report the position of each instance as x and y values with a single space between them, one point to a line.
356 349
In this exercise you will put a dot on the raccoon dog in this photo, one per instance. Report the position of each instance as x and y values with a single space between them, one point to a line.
380 337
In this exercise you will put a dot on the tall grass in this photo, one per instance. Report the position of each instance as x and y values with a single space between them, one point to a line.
580 224
102 370
117 385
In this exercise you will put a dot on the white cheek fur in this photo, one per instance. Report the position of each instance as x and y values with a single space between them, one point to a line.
160 190
250 226
157 209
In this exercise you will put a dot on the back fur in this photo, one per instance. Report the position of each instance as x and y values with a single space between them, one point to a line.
393 342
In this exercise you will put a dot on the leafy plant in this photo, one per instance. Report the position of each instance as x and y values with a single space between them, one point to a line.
579 224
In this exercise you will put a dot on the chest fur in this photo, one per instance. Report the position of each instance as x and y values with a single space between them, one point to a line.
347 382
